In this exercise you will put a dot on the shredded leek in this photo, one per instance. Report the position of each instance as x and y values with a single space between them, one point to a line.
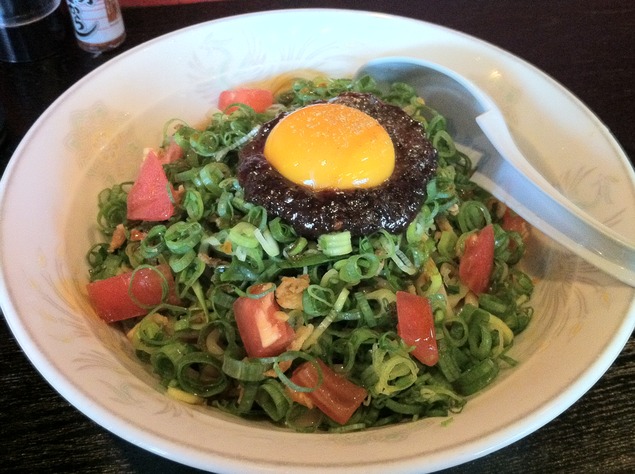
218 244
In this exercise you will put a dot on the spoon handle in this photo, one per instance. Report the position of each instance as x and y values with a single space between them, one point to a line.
521 187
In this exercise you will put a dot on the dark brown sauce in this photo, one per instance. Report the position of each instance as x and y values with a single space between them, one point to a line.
390 206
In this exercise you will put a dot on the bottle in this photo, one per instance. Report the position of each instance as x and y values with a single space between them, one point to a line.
98 24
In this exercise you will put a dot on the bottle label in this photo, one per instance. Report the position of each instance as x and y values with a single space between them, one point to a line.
96 21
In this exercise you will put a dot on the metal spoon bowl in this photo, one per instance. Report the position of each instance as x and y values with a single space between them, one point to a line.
474 118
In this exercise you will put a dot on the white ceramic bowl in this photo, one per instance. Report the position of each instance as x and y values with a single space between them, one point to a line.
92 137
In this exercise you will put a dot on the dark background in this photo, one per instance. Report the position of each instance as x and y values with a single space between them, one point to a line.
588 46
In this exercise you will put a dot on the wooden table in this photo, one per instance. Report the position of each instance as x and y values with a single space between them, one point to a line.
588 46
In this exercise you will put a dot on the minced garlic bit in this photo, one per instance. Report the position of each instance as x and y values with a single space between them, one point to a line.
301 334
289 291
118 238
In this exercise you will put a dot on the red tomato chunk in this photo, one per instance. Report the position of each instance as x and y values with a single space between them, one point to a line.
127 296
151 195
258 99
416 326
261 324
513 222
172 153
477 261
337 397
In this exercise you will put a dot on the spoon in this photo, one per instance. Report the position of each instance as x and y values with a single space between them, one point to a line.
503 171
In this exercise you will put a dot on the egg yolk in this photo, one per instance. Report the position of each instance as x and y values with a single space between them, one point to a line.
332 146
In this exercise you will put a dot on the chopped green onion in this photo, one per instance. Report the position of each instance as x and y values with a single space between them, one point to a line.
336 244
477 377
218 245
